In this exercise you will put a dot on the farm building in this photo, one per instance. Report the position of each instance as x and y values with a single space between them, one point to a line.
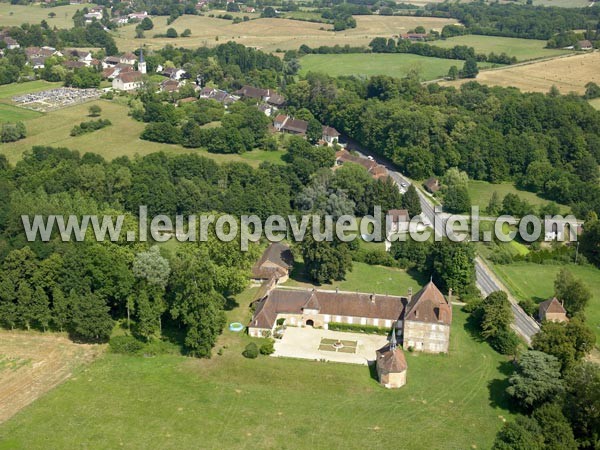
127 81
552 310
391 365
423 321
276 261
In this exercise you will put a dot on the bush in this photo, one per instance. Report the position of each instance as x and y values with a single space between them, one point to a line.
251 351
11 132
88 127
126 345
506 342
529 306
368 329
267 348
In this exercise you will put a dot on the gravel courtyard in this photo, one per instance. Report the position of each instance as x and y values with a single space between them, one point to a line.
304 343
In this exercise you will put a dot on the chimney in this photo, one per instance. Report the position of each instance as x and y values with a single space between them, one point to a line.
372 297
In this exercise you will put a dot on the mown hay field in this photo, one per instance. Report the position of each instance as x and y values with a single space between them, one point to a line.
271 34
568 74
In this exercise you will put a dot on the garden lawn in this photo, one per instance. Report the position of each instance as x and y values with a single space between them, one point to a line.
450 401
119 139
368 64
481 192
536 281
522 49
366 278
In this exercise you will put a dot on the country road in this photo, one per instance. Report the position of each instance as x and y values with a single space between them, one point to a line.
487 283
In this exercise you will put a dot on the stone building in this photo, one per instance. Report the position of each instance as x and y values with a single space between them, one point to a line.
391 365
423 321
552 310
427 321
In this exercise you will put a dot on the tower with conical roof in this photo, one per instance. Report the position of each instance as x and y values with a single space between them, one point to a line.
142 62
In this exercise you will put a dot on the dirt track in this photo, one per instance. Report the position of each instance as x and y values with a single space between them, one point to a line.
33 363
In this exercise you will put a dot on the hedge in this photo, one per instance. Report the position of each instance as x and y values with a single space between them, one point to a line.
368 329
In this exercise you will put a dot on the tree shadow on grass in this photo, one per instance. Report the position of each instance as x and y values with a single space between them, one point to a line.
472 328
373 371
230 303
497 389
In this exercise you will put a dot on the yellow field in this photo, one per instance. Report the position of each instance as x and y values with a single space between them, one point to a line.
15 15
568 74
271 34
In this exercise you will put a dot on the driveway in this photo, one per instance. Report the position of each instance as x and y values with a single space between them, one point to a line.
304 343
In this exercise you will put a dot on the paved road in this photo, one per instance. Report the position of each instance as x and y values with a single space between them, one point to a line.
487 283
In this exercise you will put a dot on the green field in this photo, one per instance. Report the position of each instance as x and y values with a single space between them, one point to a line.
16 15
368 64
9 113
367 278
453 401
121 138
536 281
7 91
522 49
481 192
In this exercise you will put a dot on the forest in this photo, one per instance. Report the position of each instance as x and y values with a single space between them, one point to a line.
546 143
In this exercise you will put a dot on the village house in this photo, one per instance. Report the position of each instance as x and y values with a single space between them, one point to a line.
110 61
113 72
266 95
128 81
287 124
170 86
391 365
399 221
138 15
223 97
585 45
11 43
128 58
330 135
414 36
552 310
276 262
172 72
377 171
432 185
423 321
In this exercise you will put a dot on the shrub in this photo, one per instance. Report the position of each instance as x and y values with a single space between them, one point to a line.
368 329
88 127
251 351
529 306
267 348
126 345
11 132
506 342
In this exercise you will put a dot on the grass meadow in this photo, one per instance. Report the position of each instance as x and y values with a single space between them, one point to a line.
453 401
16 15
481 192
368 64
595 103
119 139
536 281
522 49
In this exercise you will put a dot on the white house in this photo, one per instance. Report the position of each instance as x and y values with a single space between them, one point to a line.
127 81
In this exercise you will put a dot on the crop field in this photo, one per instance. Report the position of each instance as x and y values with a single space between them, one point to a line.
522 49
232 402
271 34
536 281
33 363
368 64
16 15
568 74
